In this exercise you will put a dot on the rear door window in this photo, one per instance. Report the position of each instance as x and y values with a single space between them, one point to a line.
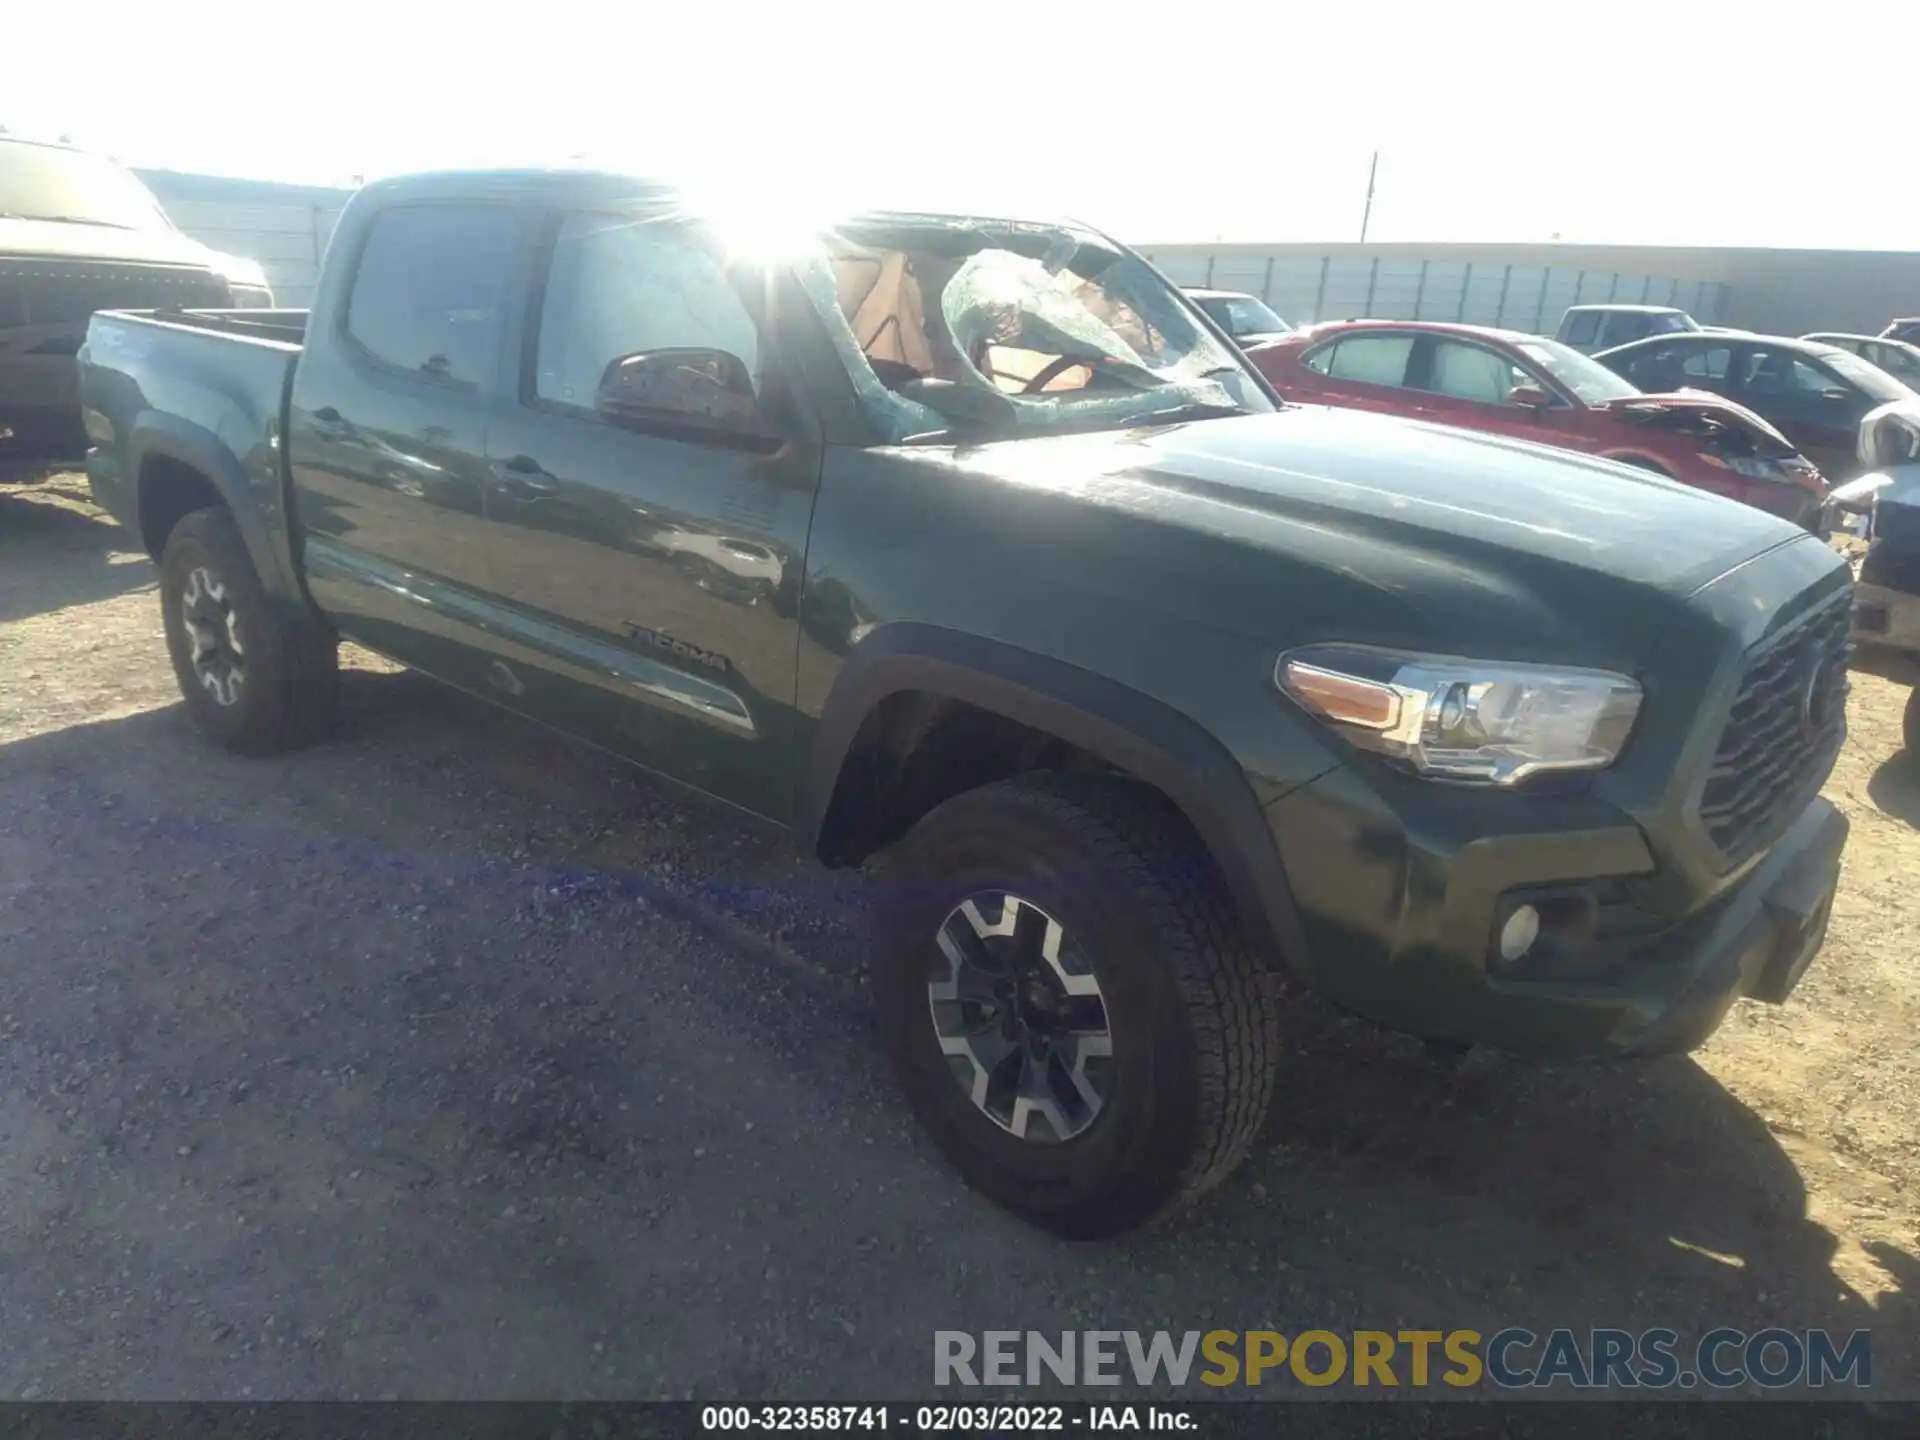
1703 363
430 294
1370 359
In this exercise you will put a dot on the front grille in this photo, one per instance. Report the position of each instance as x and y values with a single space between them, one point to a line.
1782 734
54 292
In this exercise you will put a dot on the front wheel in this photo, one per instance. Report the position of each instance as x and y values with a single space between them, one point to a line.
257 678
1069 1003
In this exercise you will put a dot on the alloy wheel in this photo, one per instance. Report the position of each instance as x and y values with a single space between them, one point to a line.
1020 1017
213 636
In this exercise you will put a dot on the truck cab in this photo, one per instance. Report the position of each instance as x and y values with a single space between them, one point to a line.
1593 328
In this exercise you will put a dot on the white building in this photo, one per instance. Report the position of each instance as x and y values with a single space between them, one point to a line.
284 227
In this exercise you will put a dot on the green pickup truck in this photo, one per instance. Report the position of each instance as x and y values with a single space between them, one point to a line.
973 549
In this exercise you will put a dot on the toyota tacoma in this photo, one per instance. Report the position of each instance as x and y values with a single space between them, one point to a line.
973 550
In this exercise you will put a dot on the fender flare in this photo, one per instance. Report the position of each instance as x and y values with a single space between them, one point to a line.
156 434
1131 731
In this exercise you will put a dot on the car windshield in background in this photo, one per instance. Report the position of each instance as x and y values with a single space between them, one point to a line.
42 182
1869 377
1588 379
969 330
1246 316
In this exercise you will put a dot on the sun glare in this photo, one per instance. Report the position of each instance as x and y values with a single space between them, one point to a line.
765 219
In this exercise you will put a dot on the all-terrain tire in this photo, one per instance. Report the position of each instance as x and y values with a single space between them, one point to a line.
289 668
1910 725
1192 1009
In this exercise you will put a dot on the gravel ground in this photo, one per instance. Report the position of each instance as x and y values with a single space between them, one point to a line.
453 1060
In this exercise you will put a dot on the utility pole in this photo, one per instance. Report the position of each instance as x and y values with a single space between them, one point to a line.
1373 168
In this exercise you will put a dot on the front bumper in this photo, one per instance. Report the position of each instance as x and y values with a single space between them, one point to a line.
1759 947
1401 930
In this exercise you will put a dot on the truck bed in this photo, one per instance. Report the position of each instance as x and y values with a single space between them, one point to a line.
286 326
198 393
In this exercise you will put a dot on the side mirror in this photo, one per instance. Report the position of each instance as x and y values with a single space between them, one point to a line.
683 388
1530 396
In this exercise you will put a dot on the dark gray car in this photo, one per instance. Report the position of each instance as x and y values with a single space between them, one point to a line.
1815 394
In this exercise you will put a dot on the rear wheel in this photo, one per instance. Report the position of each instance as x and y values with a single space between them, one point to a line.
1069 1004
1910 724
257 678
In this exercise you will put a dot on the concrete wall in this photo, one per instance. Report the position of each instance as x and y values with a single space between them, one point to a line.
1774 291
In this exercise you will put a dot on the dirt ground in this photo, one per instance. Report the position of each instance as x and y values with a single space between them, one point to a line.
453 1060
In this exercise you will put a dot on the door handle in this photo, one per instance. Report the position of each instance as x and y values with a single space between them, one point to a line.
524 477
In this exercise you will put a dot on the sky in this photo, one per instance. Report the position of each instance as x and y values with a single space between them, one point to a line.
1688 122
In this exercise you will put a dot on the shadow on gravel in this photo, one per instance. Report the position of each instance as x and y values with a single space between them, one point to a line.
1895 787
1634 1194
348 907
94 565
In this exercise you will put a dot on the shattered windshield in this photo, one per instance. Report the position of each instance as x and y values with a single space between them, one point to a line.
965 330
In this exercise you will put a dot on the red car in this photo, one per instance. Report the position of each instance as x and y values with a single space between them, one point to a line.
1537 389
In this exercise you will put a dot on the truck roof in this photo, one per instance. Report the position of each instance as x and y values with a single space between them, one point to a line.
574 183
6 139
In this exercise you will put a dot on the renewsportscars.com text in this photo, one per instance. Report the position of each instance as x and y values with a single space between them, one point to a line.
1511 1358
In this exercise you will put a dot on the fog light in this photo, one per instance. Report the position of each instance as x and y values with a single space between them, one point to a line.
1519 933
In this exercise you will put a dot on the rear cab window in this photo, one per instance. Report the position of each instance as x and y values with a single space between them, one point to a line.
430 292
1706 362
1582 327
1622 328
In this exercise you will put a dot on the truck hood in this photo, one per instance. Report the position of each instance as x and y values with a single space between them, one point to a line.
1434 531
62 240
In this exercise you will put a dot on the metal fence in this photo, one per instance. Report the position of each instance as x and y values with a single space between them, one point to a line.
1531 298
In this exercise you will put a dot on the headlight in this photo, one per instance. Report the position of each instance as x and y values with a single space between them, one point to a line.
1463 719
